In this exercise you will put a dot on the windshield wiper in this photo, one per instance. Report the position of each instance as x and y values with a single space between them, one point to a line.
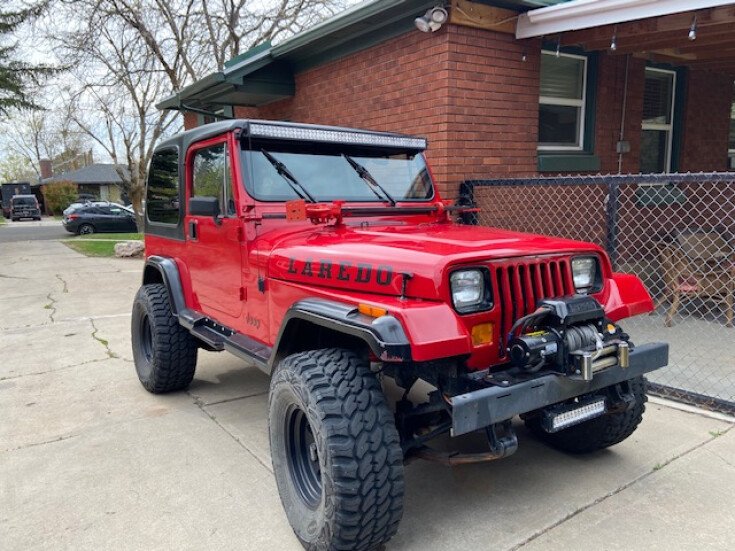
290 178
363 173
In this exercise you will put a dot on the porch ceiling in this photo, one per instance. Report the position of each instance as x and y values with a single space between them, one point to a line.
665 39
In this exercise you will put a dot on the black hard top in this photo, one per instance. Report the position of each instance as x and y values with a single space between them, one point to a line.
184 139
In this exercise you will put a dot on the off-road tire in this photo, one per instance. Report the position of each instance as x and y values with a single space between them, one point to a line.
359 499
165 353
601 432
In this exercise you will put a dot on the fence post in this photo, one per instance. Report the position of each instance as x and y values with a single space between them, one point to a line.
611 238
467 199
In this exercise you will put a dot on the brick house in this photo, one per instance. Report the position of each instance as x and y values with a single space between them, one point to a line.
504 88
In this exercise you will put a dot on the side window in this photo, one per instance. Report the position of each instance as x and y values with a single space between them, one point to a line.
162 198
211 176
562 101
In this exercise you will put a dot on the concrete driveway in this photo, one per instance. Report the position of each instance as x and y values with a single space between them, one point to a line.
89 460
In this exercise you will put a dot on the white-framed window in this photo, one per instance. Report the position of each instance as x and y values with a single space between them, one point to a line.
659 94
562 98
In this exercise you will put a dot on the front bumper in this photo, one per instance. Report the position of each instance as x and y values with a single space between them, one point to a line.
481 408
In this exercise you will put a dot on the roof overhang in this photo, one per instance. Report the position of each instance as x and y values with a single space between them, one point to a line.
265 73
585 14
258 83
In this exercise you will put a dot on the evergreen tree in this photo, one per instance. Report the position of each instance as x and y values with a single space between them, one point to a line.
17 76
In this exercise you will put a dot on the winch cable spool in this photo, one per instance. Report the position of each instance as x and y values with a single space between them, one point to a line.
578 337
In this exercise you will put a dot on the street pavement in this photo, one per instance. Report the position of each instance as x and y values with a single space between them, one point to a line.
89 460
32 230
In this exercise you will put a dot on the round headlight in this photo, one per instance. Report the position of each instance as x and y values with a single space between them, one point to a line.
584 273
469 292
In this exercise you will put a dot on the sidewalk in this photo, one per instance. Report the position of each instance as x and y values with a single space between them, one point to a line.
89 460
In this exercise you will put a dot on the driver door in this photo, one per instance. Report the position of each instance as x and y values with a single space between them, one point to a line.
214 250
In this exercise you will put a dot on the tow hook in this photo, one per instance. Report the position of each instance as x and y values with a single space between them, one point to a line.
619 400
502 439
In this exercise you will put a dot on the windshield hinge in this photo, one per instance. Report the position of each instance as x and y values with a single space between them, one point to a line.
252 217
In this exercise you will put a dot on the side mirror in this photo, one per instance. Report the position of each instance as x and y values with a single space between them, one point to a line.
204 206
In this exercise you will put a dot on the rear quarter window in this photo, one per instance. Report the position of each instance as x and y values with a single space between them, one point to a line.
162 197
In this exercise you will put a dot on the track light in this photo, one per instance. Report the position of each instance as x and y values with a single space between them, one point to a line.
432 20
524 56
693 29
558 46
614 42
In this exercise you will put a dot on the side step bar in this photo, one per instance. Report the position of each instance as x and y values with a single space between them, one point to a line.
218 337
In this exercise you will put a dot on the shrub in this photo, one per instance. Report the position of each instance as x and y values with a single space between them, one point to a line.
59 195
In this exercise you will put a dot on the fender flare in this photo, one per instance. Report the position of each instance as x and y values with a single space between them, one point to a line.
384 335
169 274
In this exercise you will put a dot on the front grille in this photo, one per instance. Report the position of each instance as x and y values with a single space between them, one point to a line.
520 284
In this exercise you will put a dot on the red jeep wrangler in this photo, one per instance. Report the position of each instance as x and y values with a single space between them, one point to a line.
326 257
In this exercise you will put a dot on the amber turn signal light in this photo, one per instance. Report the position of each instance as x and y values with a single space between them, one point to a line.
372 311
482 334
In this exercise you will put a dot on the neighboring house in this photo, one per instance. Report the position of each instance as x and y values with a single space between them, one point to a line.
504 88
102 180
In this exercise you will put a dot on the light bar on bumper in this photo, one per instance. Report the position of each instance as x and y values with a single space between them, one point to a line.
375 139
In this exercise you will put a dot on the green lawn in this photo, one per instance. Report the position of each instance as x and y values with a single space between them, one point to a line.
100 244
112 236
2 220
93 248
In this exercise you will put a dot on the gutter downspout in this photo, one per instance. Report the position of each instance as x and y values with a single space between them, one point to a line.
622 116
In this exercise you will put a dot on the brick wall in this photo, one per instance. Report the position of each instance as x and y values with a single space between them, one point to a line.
493 105
610 93
706 125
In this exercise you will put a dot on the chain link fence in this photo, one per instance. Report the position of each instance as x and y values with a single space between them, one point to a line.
675 231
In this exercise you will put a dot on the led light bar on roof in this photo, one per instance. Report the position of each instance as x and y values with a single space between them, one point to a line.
335 136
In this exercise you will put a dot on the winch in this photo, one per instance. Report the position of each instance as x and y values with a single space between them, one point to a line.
570 335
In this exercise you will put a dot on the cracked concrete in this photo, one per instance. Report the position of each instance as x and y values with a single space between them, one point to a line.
90 460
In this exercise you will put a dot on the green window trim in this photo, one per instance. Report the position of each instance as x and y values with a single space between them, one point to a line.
550 162
584 160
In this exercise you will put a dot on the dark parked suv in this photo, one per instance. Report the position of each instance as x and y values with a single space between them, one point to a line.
100 218
24 206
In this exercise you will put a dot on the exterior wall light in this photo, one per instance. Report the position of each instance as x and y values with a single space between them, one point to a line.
432 20
693 29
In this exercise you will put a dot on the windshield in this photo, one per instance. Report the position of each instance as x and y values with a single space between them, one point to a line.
24 201
328 176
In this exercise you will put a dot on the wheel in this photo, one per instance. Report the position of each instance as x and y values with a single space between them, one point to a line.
85 229
14 219
336 454
601 432
165 353
37 218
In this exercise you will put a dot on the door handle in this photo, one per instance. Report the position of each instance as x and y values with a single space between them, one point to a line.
192 230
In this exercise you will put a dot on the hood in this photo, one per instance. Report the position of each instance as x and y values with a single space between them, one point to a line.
383 259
